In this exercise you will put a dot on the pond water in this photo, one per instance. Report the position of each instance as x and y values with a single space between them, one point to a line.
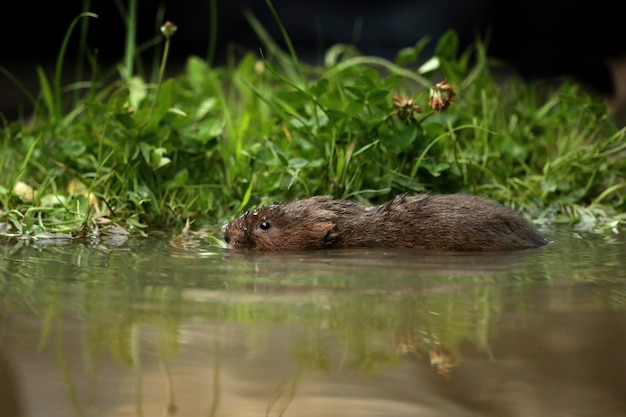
177 327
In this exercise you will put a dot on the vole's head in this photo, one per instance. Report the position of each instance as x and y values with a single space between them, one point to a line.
299 225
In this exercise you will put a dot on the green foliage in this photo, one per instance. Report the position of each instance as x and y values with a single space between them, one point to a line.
213 141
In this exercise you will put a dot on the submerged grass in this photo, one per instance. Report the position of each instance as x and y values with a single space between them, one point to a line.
211 141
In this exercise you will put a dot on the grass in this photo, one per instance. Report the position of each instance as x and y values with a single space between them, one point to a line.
211 141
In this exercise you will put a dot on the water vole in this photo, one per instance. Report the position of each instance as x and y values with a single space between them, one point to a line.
452 222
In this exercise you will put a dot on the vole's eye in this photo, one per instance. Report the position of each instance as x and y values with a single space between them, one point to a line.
264 225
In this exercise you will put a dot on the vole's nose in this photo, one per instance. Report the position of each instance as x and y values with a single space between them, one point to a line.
226 235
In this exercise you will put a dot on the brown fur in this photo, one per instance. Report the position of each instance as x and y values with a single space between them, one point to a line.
453 222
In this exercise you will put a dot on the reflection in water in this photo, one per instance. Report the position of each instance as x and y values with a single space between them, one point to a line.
180 328
10 401
566 363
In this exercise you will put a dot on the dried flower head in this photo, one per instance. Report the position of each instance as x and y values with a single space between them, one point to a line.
442 360
168 29
404 107
259 66
441 96
406 344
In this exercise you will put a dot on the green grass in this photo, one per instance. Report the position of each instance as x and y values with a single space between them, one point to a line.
212 141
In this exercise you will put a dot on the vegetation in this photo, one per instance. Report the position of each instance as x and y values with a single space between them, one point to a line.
148 152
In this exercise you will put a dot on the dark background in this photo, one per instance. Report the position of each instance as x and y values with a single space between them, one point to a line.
540 39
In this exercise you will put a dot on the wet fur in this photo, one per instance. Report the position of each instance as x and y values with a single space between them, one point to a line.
452 222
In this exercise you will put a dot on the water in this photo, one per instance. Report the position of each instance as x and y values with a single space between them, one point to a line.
176 327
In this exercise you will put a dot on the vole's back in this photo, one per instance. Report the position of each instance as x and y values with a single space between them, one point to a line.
453 222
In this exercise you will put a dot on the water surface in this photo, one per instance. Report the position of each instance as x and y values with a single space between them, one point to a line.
176 327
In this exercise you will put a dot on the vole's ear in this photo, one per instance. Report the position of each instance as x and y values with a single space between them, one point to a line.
330 229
